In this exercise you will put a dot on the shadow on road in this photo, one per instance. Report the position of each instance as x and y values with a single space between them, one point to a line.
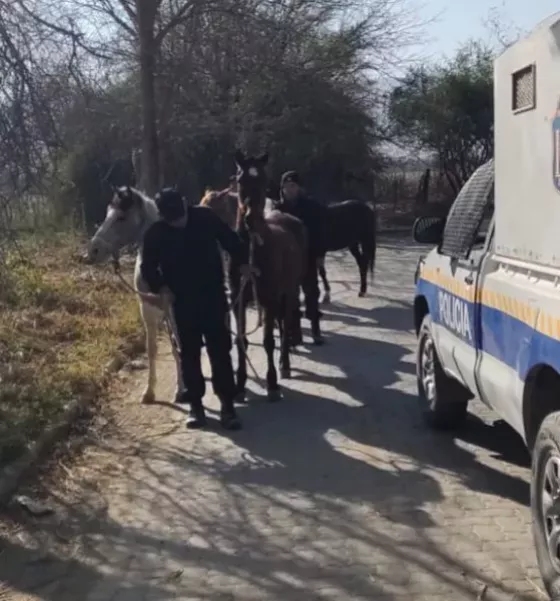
397 317
342 469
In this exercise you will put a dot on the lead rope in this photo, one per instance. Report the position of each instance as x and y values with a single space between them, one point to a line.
167 317
240 306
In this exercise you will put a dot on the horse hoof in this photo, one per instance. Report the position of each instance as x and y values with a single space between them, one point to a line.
361 294
326 299
285 373
274 395
148 397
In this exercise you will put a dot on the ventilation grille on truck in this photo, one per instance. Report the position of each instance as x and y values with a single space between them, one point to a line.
467 213
523 92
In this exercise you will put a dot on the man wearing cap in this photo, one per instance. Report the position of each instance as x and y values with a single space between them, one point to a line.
294 200
181 261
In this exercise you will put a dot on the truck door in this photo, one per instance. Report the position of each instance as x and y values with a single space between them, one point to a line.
462 251
508 318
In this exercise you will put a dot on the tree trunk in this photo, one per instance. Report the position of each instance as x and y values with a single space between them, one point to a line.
146 13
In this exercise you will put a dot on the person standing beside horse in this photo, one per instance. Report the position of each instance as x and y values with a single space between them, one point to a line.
295 201
181 264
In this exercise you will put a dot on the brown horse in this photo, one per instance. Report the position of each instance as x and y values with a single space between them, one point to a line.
223 203
277 245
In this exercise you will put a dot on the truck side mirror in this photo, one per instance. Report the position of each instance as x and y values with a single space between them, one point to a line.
428 230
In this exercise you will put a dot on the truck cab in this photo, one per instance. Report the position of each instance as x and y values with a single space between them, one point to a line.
487 299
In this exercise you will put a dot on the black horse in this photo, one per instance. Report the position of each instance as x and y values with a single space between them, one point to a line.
351 224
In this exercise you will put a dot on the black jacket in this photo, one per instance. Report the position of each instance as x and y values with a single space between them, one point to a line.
188 261
313 215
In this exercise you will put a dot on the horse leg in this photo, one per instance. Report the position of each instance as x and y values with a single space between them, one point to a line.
150 317
272 387
241 344
311 293
323 274
287 323
179 391
362 266
293 326
369 249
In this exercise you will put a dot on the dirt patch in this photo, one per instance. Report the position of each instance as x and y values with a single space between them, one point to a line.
48 551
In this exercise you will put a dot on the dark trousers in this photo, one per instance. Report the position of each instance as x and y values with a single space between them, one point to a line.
218 347
311 293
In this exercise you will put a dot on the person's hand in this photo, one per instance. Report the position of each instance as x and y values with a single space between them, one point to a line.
161 300
152 299
165 291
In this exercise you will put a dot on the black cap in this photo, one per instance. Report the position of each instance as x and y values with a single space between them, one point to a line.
290 176
170 203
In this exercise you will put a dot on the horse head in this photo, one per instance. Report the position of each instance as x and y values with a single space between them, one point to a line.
129 213
251 189
223 203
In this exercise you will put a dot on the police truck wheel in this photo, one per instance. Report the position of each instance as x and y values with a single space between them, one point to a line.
444 400
545 502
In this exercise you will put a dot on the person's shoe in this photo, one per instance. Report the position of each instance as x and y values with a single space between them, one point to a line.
318 340
229 420
196 418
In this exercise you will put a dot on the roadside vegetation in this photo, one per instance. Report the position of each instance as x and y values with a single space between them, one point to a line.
61 322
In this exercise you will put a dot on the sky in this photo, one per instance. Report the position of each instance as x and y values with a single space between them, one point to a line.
459 20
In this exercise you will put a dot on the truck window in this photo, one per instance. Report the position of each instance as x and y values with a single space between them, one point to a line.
484 227
523 96
470 216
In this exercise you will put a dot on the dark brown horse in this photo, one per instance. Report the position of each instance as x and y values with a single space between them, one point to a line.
352 224
277 246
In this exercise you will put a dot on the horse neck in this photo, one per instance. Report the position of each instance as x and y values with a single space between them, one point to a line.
150 212
230 205
151 215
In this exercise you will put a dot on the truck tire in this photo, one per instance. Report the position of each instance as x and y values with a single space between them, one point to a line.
545 502
444 400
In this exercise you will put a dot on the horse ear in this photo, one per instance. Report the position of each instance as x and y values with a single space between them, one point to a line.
263 158
239 157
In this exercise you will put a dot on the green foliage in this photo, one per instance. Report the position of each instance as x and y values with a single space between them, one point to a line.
447 110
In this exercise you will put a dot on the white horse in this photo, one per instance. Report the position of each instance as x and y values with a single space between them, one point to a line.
129 214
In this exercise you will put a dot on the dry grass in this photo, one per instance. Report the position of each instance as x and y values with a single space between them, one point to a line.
61 322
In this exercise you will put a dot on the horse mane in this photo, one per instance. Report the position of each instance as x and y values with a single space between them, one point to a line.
149 204
223 208
208 196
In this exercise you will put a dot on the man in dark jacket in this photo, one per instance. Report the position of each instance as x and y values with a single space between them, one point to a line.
181 260
295 201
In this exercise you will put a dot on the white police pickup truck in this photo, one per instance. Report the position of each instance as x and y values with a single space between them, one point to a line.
487 300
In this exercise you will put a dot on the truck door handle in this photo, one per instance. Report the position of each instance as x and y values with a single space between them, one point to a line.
469 279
